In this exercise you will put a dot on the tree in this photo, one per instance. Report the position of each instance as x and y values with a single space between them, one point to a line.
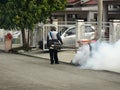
24 14
3 1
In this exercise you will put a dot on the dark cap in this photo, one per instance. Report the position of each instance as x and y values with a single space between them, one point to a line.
53 28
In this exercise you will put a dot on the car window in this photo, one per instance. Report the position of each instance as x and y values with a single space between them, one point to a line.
71 31
89 29
62 30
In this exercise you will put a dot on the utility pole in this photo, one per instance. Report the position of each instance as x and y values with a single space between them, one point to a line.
100 15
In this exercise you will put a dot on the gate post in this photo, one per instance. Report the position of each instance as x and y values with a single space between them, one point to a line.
116 32
79 31
55 22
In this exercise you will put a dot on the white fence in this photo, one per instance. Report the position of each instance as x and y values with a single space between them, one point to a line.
41 34
110 32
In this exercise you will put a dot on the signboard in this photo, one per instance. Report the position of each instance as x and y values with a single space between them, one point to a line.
84 1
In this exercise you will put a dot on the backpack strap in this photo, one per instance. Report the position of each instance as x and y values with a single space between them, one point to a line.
51 35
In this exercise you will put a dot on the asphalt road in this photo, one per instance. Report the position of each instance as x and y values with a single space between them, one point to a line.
19 72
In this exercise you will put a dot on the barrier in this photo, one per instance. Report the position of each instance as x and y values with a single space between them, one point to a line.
109 32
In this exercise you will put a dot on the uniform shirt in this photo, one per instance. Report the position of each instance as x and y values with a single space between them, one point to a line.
54 36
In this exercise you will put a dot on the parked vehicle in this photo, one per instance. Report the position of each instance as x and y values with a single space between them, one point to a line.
69 36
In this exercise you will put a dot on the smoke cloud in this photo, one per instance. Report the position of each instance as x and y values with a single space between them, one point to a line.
103 56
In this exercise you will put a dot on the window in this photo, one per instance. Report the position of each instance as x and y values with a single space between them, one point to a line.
89 29
72 31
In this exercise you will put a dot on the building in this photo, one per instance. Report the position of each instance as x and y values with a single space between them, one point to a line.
88 10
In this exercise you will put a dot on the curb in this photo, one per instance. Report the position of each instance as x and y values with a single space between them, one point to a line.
3 51
64 62
43 58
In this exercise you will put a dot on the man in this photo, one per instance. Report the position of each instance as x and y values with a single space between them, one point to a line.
52 37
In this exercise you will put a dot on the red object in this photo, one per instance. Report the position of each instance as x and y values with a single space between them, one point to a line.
9 36
86 41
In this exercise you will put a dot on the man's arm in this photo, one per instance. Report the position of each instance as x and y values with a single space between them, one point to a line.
59 38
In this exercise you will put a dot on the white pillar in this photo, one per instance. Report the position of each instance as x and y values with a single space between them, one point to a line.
79 30
90 16
100 14
55 22
105 13
116 30
65 19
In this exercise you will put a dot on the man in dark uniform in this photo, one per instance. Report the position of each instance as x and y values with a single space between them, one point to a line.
53 36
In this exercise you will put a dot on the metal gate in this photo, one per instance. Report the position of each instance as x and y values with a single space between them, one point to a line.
86 30
45 29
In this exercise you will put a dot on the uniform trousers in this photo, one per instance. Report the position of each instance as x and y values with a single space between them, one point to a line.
53 56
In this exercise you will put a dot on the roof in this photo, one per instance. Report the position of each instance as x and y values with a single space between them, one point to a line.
92 2
72 1
89 2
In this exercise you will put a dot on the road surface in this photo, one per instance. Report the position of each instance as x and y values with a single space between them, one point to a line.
19 72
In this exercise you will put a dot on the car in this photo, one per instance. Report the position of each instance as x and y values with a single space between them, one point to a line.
69 36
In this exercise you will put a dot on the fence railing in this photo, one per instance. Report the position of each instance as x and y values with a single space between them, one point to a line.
110 32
